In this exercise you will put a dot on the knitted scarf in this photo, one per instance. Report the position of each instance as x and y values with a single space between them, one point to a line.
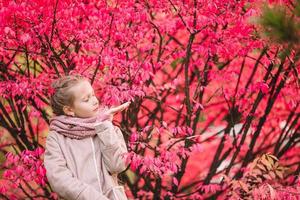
74 127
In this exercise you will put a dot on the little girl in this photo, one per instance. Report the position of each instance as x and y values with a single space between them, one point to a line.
84 150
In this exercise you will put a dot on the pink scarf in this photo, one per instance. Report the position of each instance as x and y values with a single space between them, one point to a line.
74 127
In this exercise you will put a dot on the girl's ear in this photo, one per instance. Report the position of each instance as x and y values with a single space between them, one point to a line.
68 111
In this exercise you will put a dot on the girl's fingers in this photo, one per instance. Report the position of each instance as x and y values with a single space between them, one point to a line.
118 108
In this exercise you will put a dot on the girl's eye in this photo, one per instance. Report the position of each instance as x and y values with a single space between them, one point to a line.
86 100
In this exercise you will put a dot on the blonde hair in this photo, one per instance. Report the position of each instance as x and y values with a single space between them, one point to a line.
62 95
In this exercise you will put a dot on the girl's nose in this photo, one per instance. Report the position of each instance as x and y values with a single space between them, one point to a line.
95 101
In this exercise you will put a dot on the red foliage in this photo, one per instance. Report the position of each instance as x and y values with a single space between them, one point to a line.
209 93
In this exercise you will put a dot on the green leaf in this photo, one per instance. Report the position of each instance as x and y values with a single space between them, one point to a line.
278 24
176 62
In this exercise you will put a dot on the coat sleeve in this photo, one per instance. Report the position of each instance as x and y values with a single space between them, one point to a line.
60 177
112 146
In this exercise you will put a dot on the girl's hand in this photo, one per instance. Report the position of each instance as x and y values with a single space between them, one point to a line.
110 112
118 108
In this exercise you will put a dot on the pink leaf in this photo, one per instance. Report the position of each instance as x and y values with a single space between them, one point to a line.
264 88
175 181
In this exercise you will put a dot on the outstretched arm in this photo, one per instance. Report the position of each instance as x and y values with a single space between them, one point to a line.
112 146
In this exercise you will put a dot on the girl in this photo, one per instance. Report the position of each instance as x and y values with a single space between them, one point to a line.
84 150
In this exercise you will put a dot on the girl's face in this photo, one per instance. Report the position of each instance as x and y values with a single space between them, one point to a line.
85 102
